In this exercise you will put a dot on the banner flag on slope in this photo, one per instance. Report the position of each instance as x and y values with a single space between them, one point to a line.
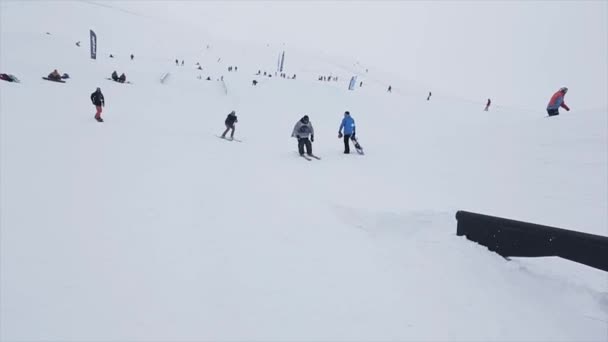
93 45
353 81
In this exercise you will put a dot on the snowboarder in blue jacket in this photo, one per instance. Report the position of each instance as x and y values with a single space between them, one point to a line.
348 125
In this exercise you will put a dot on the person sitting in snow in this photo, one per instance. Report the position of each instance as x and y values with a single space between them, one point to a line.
122 78
115 76
557 100
54 75
229 122
9 78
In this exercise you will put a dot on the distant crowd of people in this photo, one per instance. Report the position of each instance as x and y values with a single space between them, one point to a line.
556 101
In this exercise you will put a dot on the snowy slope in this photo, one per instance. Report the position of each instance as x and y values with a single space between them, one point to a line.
149 227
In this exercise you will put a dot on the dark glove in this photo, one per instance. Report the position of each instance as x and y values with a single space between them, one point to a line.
312 138
352 137
339 134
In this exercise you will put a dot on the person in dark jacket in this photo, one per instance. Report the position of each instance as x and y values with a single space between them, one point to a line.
9 78
488 105
229 122
122 78
348 125
302 131
54 75
115 76
98 101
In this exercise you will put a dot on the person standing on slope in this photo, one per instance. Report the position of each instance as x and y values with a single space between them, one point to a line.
557 100
230 121
488 105
98 101
348 125
302 131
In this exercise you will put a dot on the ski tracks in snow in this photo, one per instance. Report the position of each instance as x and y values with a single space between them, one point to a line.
407 225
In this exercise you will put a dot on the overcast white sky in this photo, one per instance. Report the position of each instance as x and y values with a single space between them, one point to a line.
514 51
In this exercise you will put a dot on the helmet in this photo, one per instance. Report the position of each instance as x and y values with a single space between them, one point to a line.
305 119
347 113
98 89
563 89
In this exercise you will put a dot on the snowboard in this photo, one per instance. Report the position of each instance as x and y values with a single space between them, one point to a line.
52 80
310 157
358 147
126 82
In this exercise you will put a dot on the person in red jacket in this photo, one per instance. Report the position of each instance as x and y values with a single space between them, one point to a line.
557 100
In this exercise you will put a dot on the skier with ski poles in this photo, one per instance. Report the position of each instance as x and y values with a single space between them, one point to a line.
302 131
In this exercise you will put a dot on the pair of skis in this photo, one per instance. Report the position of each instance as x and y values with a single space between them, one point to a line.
310 157
229 139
